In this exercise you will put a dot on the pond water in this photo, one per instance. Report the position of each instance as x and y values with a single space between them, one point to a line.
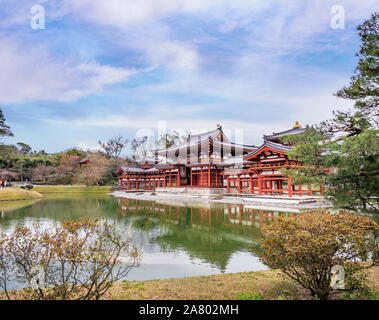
176 239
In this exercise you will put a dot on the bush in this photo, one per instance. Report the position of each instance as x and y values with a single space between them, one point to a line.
78 260
358 287
64 180
307 247
248 296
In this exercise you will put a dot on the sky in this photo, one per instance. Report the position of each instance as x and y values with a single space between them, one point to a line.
102 68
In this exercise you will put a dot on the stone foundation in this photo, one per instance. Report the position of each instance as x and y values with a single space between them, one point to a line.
209 193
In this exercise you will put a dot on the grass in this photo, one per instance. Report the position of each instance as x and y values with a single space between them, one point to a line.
260 285
249 296
72 189
11 194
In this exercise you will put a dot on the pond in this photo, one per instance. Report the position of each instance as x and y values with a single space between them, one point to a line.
175 239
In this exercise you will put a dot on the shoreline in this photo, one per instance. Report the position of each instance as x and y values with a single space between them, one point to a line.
263 202
251 285
14 194
72 189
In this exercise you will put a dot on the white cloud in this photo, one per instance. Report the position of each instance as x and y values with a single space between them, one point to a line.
32 73
250 75
145 24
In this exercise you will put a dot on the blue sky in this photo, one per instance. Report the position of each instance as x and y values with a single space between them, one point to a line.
102 68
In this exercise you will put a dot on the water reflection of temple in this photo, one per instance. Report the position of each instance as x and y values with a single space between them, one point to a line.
244 215
210 232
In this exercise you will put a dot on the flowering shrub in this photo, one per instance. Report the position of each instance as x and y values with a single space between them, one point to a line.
78 260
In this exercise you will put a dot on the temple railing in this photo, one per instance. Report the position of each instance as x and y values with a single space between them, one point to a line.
275 165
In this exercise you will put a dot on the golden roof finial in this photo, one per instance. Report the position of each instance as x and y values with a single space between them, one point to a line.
297 125
218 126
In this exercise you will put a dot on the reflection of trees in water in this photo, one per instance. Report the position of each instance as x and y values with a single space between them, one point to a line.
210 232
9 206
133 229
145 223
60 207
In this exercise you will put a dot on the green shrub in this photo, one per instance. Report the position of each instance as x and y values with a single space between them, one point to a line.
306 248
248 296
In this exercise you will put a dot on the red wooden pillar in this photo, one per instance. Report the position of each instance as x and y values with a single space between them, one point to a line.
251 183
170 178
310 189
164 181
259 184
191 177
137 183
239 184
300 190
321 189
270 184
209 176
289 187
227 184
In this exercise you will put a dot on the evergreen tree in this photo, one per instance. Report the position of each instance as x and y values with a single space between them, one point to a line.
348 143
4 129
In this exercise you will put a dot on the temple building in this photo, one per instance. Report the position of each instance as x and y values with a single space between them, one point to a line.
211 160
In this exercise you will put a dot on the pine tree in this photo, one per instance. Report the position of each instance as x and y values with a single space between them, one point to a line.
349 142
4 129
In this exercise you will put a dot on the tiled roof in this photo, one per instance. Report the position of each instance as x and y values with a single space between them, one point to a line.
194 140
273 145
132 169
234 161
276 135
202 140
164 166
236 146
278 146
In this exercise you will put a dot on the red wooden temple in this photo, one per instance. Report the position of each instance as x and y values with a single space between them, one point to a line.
211 160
